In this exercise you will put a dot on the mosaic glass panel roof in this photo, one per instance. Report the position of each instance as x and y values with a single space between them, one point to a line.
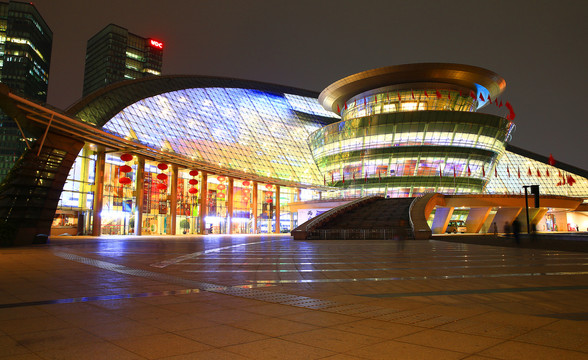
243 129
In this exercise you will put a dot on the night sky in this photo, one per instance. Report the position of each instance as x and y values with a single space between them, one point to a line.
539 47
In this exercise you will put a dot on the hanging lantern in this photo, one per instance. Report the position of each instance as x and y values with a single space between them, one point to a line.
193 173
245 199
126 169
220 195
193 190
221 178
124 180
246 183
221 187
162 166
246 191
193 182
270 200
268 186
126 157
162 176
161 187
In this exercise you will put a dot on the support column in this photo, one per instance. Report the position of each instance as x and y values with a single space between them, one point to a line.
203 202
139 197
98 191
441 219
173 204
506 216
277 231
254 205
230 205
476 218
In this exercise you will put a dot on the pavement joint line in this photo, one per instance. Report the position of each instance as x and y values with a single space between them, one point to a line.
179 259
432 277
474 291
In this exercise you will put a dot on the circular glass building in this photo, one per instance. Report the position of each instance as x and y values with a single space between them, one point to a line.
411 129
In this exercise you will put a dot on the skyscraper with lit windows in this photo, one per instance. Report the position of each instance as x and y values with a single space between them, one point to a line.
25 54
115 54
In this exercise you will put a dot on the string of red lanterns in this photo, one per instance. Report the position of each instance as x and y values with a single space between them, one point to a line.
125 180
193 182
162 177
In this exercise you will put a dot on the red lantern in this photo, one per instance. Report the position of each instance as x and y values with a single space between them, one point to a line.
162 166
126 157
162 176
126 169
220 195
246 191
270 200
161 187
245 199
268 186
124 180
192 190
221 178
221 187
193 173
193 182
245 183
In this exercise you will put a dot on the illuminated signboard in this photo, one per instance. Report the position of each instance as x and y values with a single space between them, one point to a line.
155 43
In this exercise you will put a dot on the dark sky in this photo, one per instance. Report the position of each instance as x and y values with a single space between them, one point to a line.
539 47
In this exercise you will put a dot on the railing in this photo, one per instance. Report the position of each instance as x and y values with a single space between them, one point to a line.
361 234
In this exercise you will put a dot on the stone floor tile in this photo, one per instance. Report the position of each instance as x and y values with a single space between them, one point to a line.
377 328
319 318
278 349
122 329
230 316
160 345
27 325
179 322
221 335
517 350
463 343
9 347
332 339
94 351
272 326
576 342
212 354
57 338
401 350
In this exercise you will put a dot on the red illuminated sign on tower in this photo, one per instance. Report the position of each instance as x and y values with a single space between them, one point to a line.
156 44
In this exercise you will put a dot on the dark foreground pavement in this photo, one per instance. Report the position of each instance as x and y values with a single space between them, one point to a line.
269 297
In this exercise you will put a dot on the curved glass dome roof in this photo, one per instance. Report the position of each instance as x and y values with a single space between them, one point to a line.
248 130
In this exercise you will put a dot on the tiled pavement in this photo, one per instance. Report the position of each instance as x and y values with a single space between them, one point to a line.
269 297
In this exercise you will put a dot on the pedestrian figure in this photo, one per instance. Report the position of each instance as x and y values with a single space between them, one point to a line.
516 230
506 229
495 229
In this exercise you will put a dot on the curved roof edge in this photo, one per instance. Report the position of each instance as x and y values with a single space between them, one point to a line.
466 76
101 105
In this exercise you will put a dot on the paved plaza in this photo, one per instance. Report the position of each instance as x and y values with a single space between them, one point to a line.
270 297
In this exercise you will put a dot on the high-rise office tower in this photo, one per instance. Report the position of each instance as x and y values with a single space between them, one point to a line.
114 54
25 54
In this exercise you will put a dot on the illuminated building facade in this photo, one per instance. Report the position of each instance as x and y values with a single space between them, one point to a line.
193 154
25 55
114 54
412 129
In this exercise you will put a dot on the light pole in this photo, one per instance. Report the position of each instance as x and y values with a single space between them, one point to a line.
534 191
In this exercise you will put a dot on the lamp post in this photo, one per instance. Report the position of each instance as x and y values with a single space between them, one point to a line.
534 191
